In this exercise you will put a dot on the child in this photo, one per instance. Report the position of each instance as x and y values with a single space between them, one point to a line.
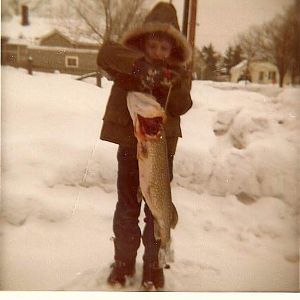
150 59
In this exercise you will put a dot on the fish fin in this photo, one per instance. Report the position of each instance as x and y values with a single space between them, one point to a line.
156 230
139 195
142 151
166 255
161 257
139 151
169 252
174 220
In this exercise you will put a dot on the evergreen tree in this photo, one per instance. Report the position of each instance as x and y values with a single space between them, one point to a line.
198 64
237 55
228 59
210 59
233 56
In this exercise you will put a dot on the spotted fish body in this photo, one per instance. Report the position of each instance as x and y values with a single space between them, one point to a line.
153 164
155 187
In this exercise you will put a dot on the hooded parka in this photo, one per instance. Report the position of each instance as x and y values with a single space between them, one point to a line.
117 59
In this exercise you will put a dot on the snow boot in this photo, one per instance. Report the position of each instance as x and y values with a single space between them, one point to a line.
153 277
120 272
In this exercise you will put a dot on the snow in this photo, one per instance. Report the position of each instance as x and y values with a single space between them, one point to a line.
236 187
16 31
64 49
40 27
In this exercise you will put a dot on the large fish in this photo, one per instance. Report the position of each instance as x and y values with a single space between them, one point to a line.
148 117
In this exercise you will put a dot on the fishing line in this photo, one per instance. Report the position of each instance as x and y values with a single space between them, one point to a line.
168 97
75 206
76 202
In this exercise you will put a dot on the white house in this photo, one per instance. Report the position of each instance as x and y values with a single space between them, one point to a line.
257 72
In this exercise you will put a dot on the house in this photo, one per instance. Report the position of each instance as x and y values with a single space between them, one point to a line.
257 72
57 52
43 47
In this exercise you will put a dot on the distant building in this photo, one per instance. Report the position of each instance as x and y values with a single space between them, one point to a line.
257 72
44 48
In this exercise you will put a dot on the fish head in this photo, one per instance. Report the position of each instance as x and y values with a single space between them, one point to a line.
147 115
150 128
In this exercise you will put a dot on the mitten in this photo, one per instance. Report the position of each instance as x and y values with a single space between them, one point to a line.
156 74
147 75
169 77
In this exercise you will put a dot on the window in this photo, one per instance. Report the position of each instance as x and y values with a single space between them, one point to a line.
272 75
72 61
261 76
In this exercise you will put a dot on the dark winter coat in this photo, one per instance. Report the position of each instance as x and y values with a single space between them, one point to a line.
117 59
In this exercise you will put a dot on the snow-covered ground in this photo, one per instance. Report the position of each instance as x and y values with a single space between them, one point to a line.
236 176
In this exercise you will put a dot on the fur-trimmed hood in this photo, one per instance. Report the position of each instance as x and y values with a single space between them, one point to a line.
162 18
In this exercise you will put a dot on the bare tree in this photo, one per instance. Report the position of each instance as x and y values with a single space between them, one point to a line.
102 19
278 44
274 41
134 14
294 19
250 42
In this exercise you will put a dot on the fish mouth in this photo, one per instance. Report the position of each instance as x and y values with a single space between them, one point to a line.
150 127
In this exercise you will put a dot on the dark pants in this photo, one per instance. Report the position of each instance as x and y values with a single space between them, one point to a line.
125 223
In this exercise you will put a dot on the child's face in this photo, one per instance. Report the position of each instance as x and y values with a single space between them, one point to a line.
158 49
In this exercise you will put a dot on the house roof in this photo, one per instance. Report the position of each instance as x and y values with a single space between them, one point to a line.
264 65
257 65
39 28
13 30
53 32
240 65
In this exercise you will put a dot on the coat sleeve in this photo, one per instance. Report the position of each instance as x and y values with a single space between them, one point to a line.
180 100
116 59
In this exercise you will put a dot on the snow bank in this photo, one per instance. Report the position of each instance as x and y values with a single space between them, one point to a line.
240 143
235 187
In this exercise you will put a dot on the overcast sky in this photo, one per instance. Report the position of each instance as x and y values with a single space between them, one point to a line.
219 21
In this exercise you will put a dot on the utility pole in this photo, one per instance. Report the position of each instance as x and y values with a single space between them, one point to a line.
189 26
192 23
189 20
185 21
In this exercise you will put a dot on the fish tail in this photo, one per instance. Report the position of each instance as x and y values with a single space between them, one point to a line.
166 254
174 217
